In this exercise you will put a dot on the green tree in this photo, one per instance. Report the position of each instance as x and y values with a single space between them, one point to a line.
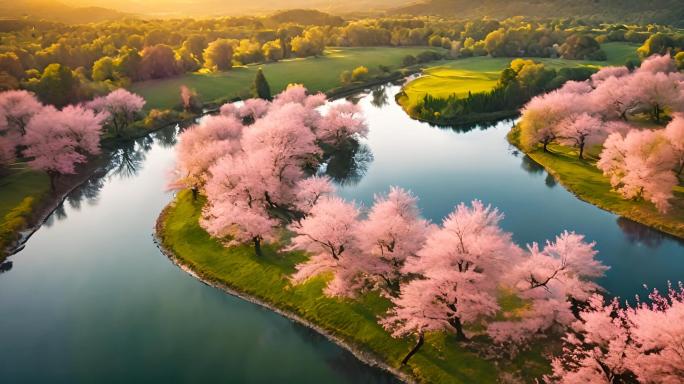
260 87
359 73
103 69
219 55
57 85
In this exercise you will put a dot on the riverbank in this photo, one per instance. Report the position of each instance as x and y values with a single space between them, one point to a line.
586 182
351 324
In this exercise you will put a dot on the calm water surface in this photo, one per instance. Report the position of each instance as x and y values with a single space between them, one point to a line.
91 299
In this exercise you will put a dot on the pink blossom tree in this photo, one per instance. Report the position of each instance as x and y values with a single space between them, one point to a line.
548 280
674 133
237 224
200 146
541 117
327 233
58 140
595 351
253 109
609 344
606 73
640 165
658 92
16 109
122 107
392 232
581 130
459 271
310 191
658 64
342 122
615 97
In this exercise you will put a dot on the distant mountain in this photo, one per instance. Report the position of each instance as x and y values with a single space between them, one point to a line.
200 8
53 10
306 17
641 11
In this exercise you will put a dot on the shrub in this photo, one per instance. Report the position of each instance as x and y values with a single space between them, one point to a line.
15 221
359 73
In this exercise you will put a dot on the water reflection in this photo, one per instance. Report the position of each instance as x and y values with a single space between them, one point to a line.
6 266
346 166
530 166
379 97
550 181
640 234
129 158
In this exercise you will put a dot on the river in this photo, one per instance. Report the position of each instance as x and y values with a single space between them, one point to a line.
91 298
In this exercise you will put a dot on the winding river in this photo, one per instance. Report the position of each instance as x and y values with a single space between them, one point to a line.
91 299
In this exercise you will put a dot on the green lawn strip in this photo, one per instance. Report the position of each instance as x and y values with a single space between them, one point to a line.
355 321
480 74
316 73
582 178
17 188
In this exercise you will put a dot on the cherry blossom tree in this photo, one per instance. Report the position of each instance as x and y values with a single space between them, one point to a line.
122 107
200 146
237 224
58 140
595 351
657 92
393 231
342 122
581 130
609 344
311 190
656 328
606 73
459 270
253 109
674 133
616 97
640 165
328 234
543 114
16 109
658 64
548 280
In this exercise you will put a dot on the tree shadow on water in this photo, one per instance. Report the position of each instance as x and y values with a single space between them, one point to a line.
346 166
637 233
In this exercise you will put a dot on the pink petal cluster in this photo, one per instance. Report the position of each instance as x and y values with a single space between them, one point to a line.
121 105
256 156
642 343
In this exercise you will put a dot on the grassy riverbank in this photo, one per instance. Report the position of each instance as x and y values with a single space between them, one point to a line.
354 322
316 73
583 179
481 74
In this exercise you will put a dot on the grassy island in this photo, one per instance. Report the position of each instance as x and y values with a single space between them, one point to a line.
352 323
584 180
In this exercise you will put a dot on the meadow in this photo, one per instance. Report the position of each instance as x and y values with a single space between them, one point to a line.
354 321
480 74
320 73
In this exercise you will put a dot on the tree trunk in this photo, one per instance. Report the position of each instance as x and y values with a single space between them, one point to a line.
545 147
194 193
53 179
414 350
257 246
581 151
456 323
681 169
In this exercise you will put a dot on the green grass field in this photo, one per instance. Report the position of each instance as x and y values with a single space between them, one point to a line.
441 360
479 74
587 182
19 184
316 73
